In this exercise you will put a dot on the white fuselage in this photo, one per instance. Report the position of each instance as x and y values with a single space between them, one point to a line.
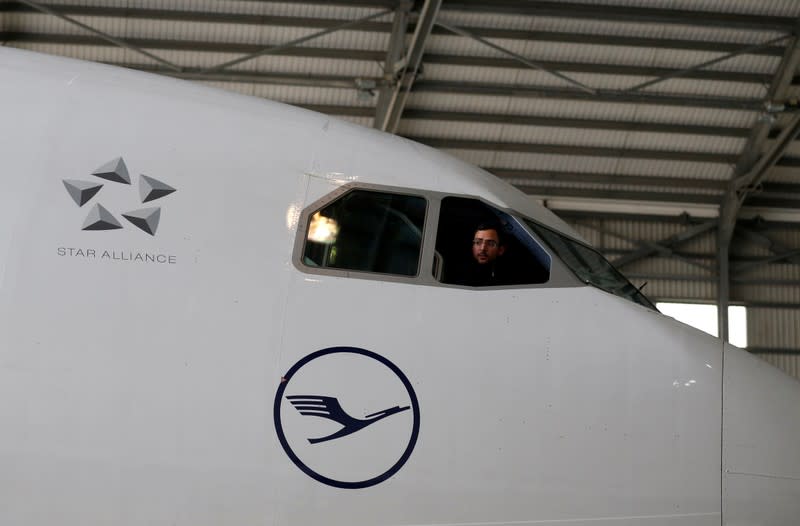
138 372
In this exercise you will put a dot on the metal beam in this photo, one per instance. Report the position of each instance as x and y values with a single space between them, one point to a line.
750 170
392 66
682 218
519 58
192 46
685 72
622 195
764 241
100 34
592 151
752 165
413 61
549 92
209 17
646 196
552 66
645 276
585 124
531 178
377 56
657 248
667 243
294 43
746 183
744 267
625 14
723 287
773 350
464 88
278 79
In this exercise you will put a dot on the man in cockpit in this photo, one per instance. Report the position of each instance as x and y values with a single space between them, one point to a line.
485 268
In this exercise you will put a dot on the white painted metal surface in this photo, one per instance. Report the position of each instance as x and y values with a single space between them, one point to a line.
150 392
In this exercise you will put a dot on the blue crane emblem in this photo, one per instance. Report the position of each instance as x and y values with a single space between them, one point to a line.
329 407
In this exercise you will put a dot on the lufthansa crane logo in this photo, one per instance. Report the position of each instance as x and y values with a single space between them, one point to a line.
99 217
347 417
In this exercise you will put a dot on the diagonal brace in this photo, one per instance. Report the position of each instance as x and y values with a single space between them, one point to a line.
515 56
660 249
273 49
667 243
105 36
680 72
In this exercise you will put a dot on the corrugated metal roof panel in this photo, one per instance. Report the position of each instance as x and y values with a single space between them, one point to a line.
781 8
604 27
780 174
709 88
599 188
582 109
600 54
535 77
602 165
683 290
683 142
294 9
714 172
300 95
570 136
775 294
793 150
783 272
653 267
705 116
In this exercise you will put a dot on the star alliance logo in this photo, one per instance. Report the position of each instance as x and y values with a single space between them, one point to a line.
337 446
115 171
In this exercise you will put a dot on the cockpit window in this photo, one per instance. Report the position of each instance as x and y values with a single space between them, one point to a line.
589 265
367 231
478 245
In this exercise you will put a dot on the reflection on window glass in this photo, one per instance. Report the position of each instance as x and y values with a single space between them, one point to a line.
589 265
367 231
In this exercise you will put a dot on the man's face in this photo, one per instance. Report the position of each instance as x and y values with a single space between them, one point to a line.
486 246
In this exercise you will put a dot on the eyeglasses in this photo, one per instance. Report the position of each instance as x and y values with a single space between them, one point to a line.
491 243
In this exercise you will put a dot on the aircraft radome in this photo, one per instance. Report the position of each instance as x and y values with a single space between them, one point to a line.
218 310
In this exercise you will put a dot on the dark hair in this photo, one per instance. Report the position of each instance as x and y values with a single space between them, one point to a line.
492 225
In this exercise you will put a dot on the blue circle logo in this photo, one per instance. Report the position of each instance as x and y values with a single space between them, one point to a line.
347 417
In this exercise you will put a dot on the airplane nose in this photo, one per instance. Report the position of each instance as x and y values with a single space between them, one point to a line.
760 442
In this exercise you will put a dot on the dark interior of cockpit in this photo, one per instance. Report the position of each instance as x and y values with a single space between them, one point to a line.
524 260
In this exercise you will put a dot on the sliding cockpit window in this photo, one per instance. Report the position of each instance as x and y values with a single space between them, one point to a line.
478 245
589 265
367 231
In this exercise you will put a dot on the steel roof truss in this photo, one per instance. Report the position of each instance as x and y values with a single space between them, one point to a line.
394 61
295 42
515 56
667 244
105 36
682 72
396 103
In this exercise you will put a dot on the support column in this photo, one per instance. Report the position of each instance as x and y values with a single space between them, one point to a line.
723 287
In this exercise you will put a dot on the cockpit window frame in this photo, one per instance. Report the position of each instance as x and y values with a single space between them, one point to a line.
560 275
637 297
298 252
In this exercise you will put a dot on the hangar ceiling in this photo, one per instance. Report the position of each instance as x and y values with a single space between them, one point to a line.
662 129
